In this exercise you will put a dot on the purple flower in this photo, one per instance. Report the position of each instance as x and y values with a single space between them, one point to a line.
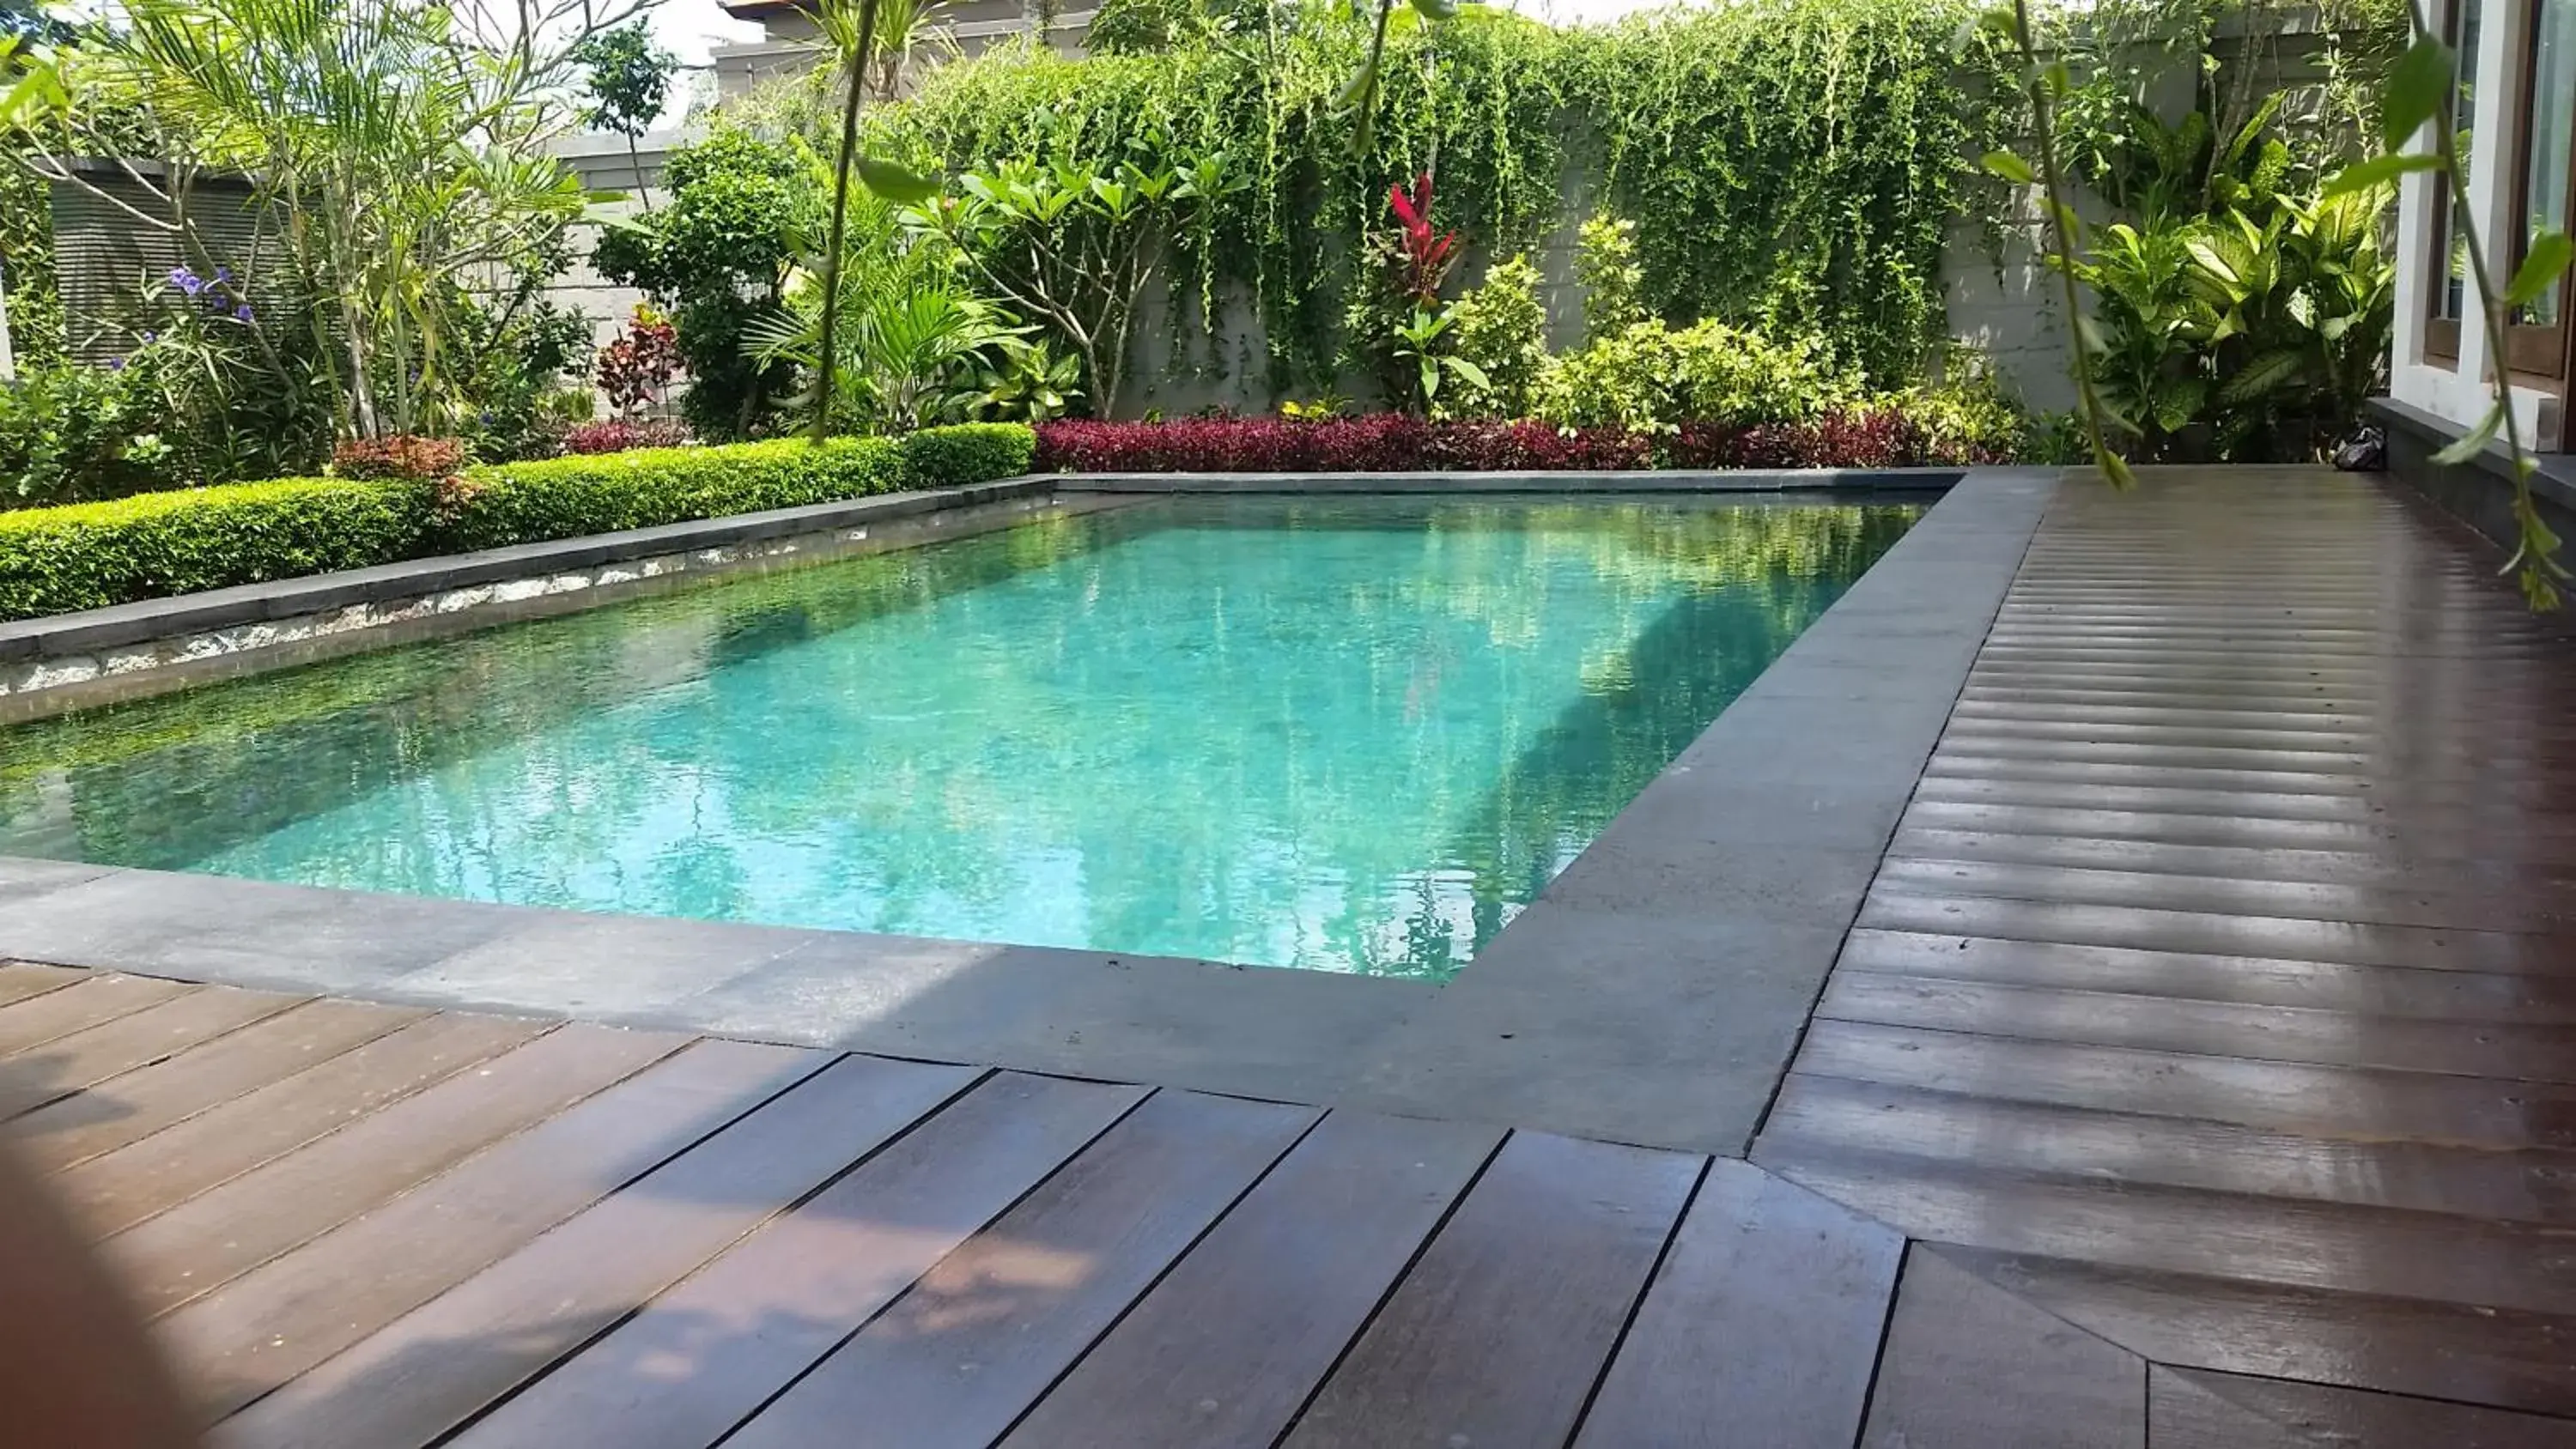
151 336
242 314
187 281
116 364
224 275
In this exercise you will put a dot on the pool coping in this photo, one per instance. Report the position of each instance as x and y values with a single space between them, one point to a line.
1654 993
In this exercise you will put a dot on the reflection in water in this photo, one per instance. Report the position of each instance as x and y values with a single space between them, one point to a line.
1350 735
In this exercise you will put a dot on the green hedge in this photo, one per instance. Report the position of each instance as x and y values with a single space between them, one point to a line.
91 555
152 545
507 503
968 453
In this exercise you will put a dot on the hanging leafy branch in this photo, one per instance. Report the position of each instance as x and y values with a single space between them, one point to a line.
2422 89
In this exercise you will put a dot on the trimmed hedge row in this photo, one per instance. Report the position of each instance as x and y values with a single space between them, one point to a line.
154 545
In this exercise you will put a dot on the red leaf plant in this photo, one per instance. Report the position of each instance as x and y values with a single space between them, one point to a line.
1428 256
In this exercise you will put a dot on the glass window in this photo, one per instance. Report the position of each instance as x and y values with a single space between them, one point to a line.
2553 129
2453 301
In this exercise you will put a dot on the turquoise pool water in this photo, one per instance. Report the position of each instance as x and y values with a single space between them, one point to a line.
1350 736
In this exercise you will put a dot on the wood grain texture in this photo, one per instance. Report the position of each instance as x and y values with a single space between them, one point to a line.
2194 1410
142 1102
120 1188
438 1365
2534 1185
208 1241
83 1004
968 1348
255 1333
20 980
1762 1326
1224 1351
2529 1053
1498 1334
703 1356
1969 1366
69 1064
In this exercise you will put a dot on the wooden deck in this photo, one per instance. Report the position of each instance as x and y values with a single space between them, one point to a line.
2202 1069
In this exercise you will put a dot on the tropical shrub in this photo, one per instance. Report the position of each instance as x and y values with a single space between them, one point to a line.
1502 331
1651 378
640 363
716 256
1605 265
69 433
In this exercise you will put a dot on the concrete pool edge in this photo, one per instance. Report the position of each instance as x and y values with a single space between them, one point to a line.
1654 994
1657 989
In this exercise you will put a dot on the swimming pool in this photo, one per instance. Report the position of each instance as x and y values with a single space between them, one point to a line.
1354 734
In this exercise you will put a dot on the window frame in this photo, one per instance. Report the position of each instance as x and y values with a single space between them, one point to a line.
2535 351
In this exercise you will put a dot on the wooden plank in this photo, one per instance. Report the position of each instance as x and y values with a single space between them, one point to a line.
225 1232
142 1102
2469 1353
723 1343
2372 991
2544 888
2413 836
2228 895
1762 1326
2190 1409
79 1006
255 1333
968 1348
2333 1247
1969 1366
1229 1345
2532 1185
2209 1028
88 1058
2448 815
436 1366
20 980
2084 924
118 1189
1499 1333
2287 1097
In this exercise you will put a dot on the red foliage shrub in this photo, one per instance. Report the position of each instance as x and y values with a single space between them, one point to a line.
618 436
1397 443
641 362
398 455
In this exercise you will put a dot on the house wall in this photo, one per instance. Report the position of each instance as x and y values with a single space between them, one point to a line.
2460 393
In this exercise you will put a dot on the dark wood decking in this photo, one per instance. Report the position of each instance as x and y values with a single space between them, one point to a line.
2198 1073
2218 994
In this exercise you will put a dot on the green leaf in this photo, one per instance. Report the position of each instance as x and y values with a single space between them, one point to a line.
2378 171
894 182
2116 468
1436 9
1470 371
1430 378
2474 441
2418 85
2550 254
2010 167
2264 373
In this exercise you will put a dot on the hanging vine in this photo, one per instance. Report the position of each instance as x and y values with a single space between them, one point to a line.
1792 165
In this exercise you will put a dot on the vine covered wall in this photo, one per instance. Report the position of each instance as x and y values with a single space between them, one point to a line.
1790 164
